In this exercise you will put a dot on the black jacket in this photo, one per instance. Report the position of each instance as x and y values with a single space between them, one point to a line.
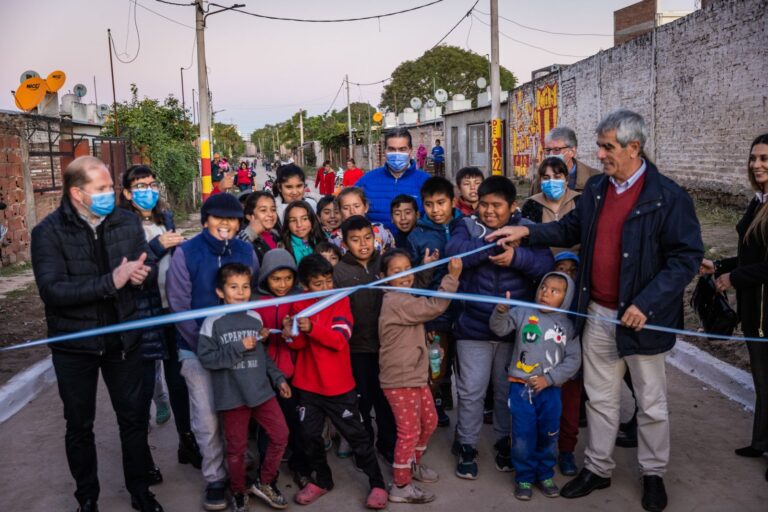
749 275
366 304
73 271
661 253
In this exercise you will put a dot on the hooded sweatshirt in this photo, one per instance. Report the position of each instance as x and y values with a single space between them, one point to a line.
403 356
272 316
545 342
366 303
239 377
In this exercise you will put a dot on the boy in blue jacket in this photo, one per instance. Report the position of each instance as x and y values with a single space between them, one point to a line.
482 355
432 233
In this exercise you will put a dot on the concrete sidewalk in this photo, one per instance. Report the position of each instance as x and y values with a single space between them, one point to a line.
704 474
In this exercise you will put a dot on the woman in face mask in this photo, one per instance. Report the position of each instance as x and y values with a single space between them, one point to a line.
555 199
141 195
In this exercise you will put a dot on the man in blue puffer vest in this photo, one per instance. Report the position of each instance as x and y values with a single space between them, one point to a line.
190 284
398 175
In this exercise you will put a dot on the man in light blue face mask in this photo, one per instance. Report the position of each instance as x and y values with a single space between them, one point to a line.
398 175
90 261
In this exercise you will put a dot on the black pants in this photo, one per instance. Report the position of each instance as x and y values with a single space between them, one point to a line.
439 168
365 370
178 394
78 377
343 412
297 460
758 360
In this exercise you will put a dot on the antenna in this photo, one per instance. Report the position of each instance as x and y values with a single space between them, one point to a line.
80 90
103 109
27 75
481 83
441 95
415 103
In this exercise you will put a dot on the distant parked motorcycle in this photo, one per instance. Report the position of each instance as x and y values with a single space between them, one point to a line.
269 183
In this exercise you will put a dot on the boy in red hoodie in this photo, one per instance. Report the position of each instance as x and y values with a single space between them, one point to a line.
325 387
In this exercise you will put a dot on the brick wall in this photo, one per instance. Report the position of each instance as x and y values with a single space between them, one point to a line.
15 247
633 20
701 84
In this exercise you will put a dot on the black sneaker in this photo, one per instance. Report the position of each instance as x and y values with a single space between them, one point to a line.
504 455
239 502
215 496
145 502
654 494
188 452
270 494
467 465
88 506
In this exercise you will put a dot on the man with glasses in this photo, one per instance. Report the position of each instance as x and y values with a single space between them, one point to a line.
561 142
90 261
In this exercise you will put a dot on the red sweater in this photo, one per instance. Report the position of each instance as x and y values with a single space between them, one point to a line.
351 176
607 256
323 363
277 349
325 182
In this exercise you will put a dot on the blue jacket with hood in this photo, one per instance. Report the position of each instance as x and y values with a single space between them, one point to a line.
381 186
482 277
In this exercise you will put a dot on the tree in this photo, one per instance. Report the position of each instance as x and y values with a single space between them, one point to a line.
162 133
227 141
445 67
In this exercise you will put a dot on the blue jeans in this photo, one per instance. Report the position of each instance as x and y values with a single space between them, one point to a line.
535 428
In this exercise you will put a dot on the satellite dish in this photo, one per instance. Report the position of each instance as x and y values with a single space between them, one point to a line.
55 81
30 93
103 109
415 103
27 75
481 83
441 95
378 117
431 103
80 90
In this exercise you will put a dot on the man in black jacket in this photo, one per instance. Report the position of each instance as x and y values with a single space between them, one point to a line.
90 260
640 246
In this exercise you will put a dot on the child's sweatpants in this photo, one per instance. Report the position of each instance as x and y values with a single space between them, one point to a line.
535 427
416 420
235 421
344 413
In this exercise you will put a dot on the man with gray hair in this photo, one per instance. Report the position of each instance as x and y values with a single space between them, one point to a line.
90 259
561 142
640 246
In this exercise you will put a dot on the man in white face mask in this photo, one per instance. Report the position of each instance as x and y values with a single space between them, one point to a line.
90 259
561 143
398 175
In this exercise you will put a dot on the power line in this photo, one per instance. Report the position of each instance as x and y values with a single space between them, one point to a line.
531 45
467 15
544 30
166 17
340 20
335 98
372 83
174 3
138 38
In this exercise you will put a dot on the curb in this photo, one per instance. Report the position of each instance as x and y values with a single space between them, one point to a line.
734 383
24 387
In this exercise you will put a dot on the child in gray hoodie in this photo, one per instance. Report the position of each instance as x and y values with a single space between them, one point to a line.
546 354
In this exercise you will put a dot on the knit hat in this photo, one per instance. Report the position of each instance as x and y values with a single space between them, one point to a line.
221 205
567 255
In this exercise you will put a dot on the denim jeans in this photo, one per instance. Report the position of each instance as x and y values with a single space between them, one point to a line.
535 427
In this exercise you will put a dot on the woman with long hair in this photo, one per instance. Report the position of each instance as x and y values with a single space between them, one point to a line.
141 195
748 274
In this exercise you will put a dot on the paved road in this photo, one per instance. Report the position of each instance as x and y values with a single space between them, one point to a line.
704 474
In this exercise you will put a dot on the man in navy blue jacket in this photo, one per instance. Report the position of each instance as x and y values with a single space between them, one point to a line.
481 355
398 175
650 248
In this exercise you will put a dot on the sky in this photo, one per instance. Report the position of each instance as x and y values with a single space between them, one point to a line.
262 71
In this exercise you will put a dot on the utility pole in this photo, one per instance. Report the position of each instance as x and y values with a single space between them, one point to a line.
497 166
301 136
205 109
194 108
112 72
183 103
349 120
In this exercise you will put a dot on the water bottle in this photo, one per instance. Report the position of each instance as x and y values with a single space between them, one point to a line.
434 357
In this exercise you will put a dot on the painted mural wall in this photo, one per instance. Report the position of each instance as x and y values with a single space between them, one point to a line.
533 113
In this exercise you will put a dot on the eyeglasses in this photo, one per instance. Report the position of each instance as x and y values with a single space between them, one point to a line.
144 186
556 151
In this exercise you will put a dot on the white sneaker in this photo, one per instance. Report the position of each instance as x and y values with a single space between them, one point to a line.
410 494
424 474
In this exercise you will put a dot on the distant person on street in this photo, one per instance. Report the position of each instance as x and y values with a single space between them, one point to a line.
561 142
325 179
244 177
90 262
640 247
352 174
397 176
421 156
438 159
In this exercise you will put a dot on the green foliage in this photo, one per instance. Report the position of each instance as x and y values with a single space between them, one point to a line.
445 67
227 141
175 163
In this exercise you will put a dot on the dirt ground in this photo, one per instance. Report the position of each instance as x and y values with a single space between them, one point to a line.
23 319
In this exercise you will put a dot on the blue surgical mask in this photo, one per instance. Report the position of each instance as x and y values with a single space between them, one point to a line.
102 204
145 199
398 161
553 189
